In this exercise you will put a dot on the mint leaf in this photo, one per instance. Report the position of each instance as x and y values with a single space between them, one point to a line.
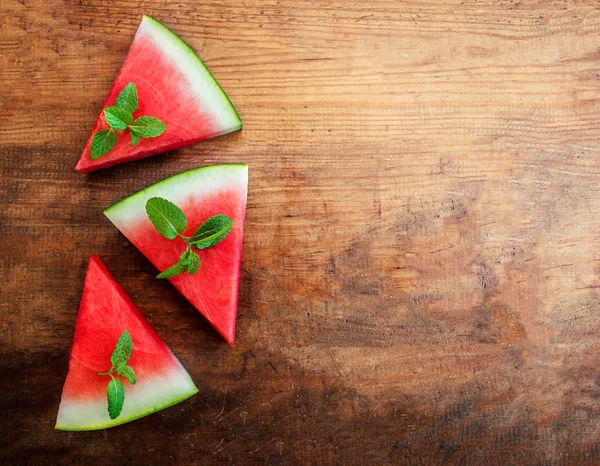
193 263
116 397
102 143
148 127
128 99
128 373
122 350
173 271
134 138
179 267
167 218
115 392
117 118
211 232
185 257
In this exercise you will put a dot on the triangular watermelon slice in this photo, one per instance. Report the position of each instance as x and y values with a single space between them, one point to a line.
106 311
174 86
200 193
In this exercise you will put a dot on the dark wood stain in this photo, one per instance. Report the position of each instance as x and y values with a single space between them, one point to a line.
420 278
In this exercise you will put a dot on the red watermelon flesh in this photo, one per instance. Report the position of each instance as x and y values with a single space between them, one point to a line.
106 311
200 194
173 85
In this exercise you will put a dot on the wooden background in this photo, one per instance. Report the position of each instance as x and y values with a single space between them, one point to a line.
421 271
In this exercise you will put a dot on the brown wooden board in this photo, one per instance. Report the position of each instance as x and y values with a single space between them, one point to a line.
421 255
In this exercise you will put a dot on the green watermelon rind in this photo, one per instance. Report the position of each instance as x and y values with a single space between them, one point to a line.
153 189
118 422
157 26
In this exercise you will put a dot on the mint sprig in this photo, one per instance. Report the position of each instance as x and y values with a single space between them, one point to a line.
116 390
170 221
120 118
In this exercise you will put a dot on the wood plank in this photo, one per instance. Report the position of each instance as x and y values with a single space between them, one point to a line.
420 270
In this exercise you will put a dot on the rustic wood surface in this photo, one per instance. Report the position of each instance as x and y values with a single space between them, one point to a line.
421 271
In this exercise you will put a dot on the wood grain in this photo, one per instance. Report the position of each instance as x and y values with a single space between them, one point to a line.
421 266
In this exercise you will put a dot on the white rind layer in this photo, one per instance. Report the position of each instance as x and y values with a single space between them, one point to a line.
211 98
145 397
197 182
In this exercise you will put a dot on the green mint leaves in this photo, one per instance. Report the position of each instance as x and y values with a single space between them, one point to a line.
128 98
170 221
122 350
193 263
115 389
103 143
128 373
211 232
119 118
178 268
134 138
116 397
167 218
147 127
188 261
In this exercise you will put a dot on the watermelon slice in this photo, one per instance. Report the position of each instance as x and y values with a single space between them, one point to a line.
105 313
200 193
174 86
